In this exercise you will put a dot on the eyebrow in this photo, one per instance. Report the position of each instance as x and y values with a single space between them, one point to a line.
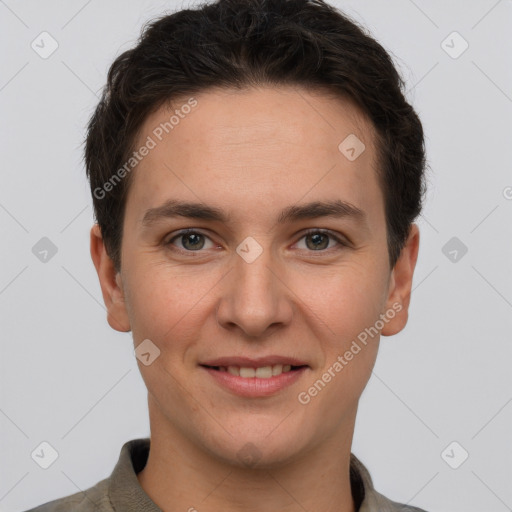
176 208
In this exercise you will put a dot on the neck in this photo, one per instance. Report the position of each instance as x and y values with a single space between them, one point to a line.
179 475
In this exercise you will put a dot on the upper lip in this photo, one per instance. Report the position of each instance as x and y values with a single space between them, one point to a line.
257 362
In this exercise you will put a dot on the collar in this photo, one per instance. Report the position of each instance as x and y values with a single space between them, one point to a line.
127 495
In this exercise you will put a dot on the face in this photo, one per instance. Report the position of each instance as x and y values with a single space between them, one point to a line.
251 240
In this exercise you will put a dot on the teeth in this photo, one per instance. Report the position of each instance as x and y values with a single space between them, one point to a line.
277 369
264 372
247 372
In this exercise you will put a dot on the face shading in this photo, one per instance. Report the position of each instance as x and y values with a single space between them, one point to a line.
254 254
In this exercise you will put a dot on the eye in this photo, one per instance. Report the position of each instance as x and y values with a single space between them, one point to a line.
191 241
318 240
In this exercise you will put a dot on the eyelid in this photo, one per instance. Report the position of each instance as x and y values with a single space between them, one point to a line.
186 231
341 241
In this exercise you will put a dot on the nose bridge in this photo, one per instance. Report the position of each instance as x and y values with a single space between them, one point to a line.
255 298
254 281
254 278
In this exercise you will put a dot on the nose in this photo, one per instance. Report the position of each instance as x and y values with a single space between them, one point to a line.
255 298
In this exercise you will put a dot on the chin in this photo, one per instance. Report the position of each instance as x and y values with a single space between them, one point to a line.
260 451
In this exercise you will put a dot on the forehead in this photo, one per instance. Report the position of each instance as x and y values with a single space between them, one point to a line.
257 147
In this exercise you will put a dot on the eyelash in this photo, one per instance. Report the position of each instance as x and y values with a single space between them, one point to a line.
312 231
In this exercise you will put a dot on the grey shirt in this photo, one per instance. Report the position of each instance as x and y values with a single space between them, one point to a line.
121 492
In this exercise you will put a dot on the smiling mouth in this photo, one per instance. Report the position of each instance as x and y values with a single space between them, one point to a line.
262 372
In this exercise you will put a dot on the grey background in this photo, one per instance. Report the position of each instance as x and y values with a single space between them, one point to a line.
68 379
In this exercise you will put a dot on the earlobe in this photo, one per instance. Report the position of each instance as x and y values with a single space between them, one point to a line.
400 284
110 282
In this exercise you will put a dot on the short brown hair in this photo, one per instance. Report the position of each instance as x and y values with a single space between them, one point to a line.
242 43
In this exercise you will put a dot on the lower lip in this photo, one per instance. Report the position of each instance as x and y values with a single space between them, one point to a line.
255 387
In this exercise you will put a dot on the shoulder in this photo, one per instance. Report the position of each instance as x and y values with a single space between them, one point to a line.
94 499
377 502
366 497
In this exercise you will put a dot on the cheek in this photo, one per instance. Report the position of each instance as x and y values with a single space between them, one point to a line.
349 308
166 303
346 305
345 300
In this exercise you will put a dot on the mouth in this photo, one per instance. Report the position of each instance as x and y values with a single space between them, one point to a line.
259 372
253 378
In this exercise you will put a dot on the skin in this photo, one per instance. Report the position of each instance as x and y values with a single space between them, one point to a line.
252 153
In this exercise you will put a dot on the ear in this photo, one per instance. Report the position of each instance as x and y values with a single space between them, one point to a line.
110 282
400 283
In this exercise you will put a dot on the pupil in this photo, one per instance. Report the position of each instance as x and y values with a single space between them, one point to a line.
194 238
317 239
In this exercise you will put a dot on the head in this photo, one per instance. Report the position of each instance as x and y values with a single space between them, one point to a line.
278 135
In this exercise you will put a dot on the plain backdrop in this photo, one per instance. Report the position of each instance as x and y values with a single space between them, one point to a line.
69 380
